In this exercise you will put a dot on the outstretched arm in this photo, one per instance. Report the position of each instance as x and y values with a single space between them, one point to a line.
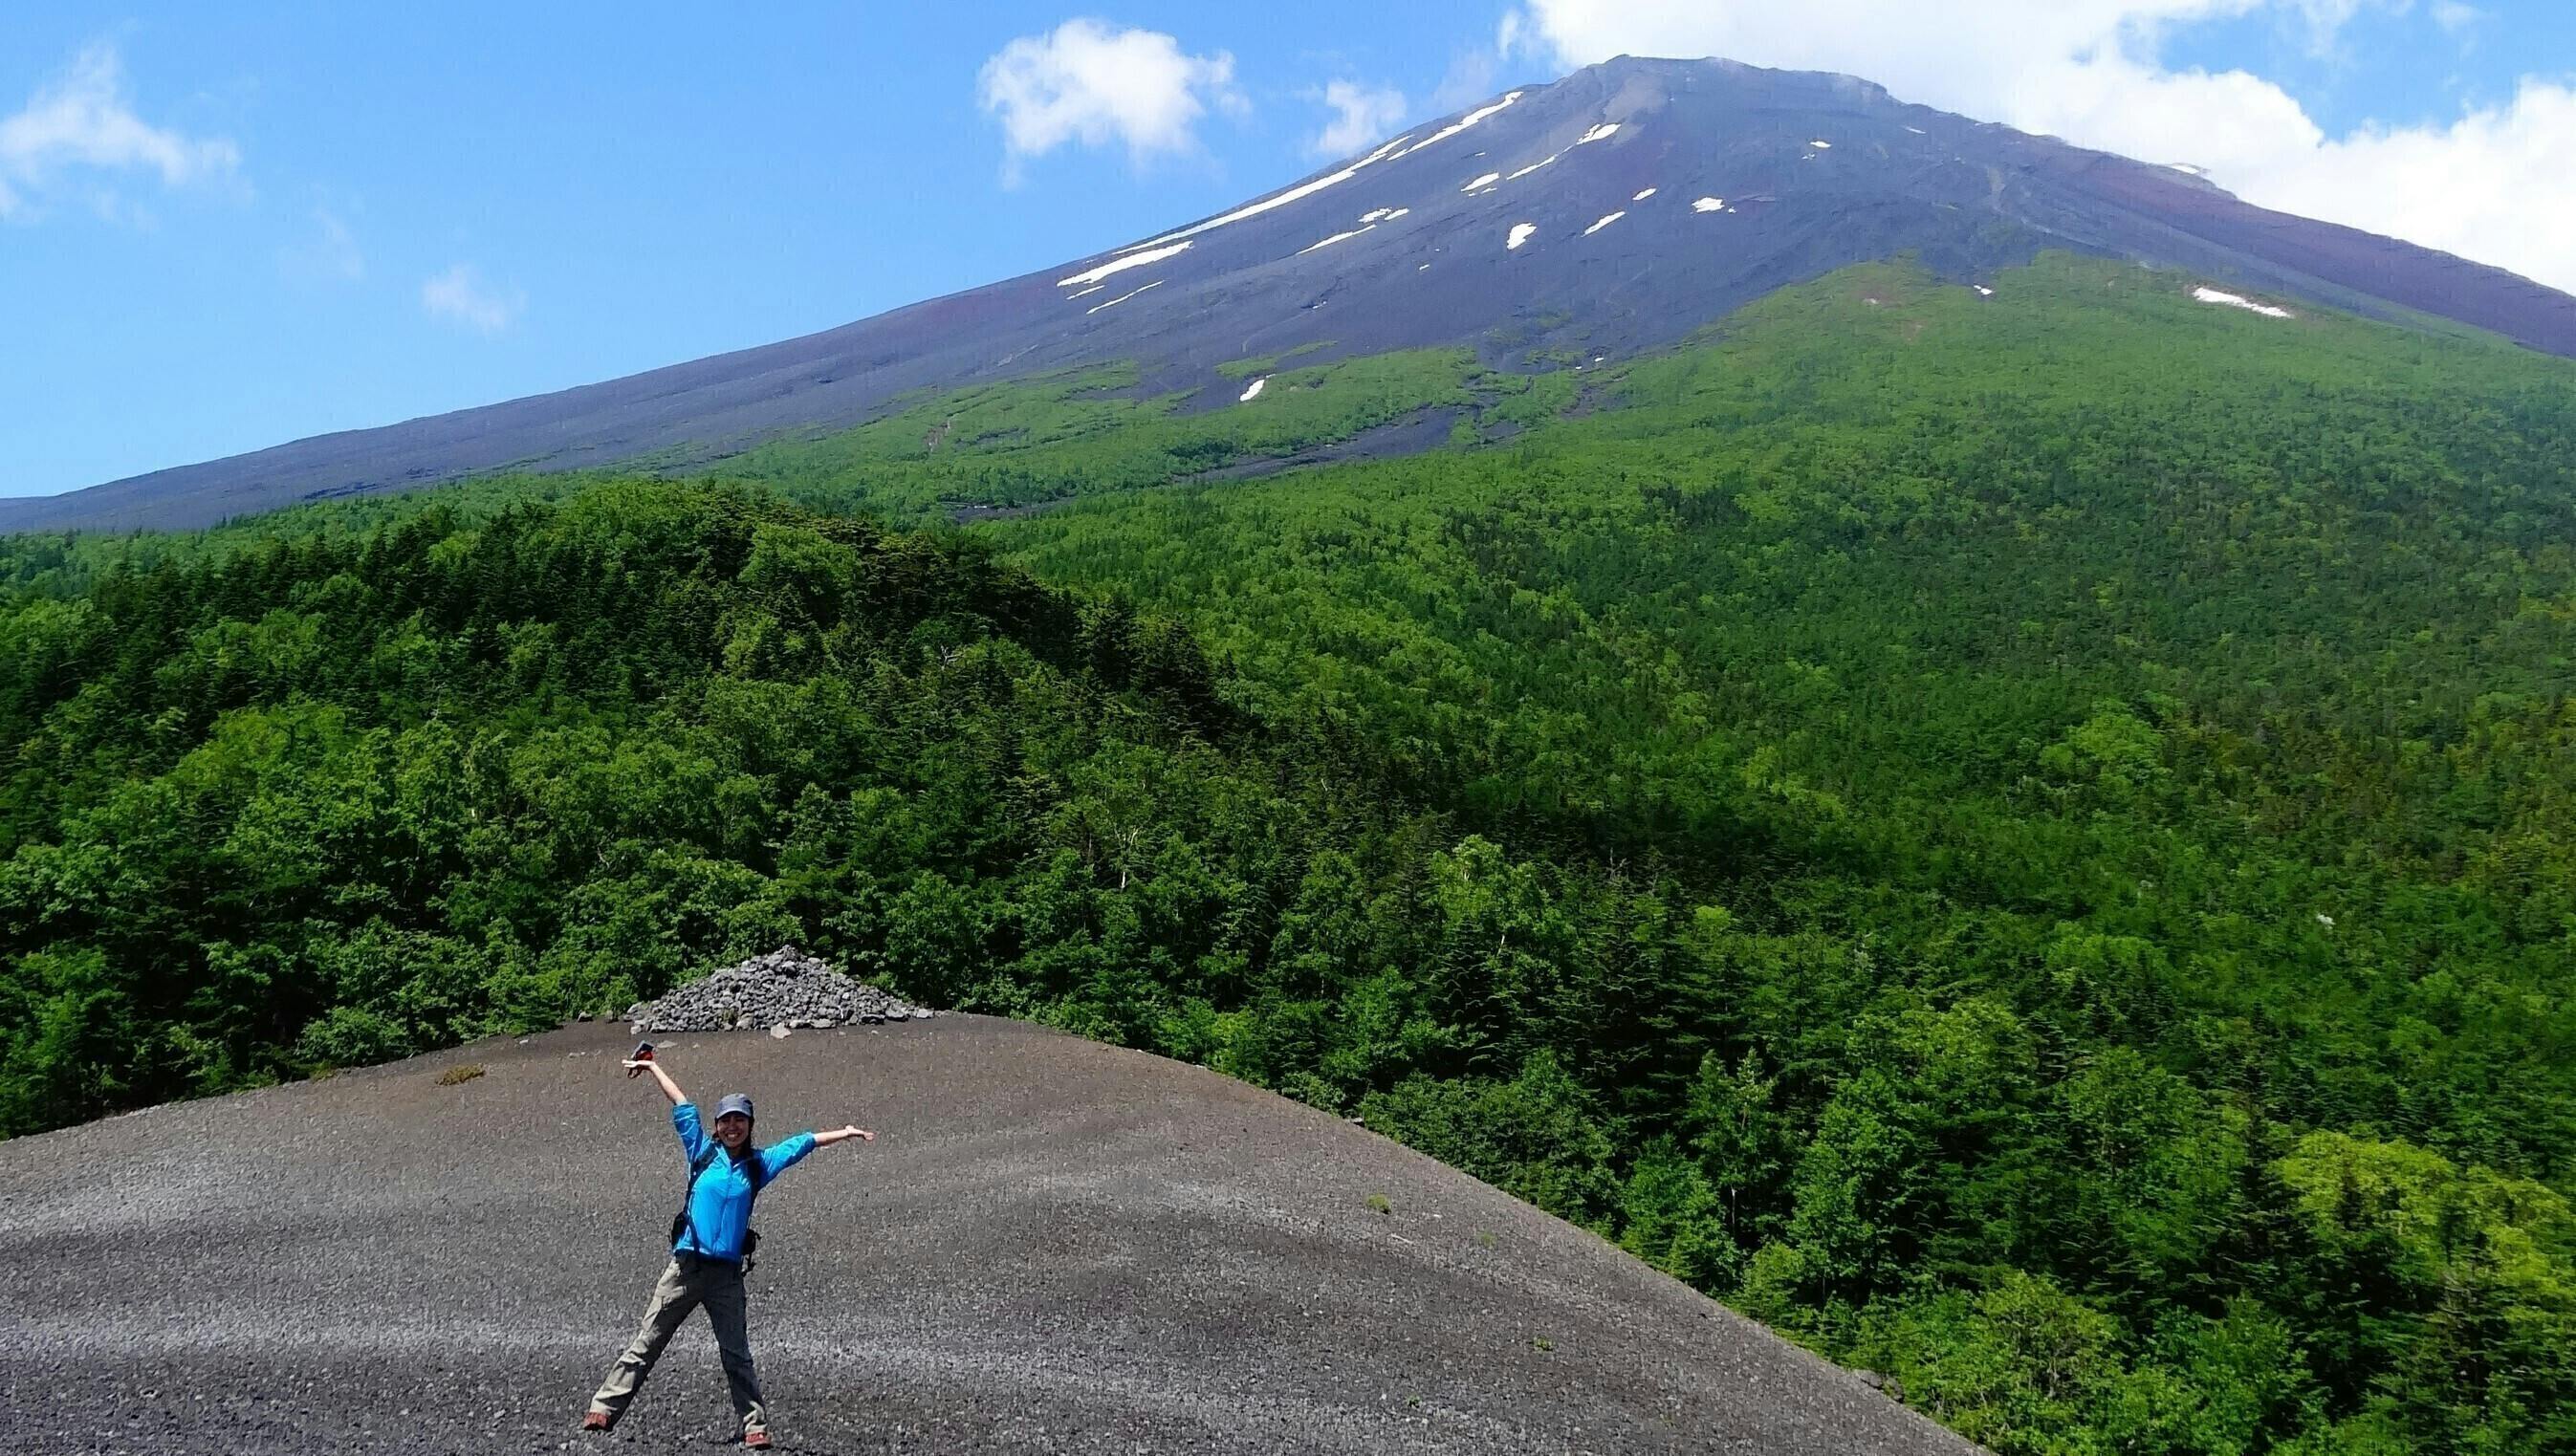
695 1145
787 1152
670 1088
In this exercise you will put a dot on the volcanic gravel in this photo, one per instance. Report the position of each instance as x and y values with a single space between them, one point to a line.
783 989
1054 1246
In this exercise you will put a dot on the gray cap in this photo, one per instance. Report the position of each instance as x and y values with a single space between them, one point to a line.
735 1102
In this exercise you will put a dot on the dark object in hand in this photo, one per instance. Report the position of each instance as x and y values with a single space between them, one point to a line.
643 1053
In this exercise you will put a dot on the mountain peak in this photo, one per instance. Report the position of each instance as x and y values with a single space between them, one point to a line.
1663 77
1618 209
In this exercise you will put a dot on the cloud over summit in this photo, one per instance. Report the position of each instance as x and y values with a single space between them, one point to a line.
1361 115
1086 83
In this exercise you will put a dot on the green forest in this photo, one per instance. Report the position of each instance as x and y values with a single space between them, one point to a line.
2027 842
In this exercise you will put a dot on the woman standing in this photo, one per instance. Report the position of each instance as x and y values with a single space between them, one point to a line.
709 1240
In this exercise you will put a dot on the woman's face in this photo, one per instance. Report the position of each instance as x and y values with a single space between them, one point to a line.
733 1130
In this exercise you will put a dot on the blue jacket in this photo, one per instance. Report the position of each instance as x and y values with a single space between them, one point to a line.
720 1206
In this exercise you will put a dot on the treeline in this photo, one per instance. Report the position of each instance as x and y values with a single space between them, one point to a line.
327 800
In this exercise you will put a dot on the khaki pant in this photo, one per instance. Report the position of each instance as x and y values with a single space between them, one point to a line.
686 1284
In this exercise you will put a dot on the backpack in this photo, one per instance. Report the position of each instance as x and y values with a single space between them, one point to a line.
680 1221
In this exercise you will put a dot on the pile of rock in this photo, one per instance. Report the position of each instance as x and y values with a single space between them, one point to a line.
785 990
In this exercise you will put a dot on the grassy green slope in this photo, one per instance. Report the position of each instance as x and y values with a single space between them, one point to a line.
1089 432
2155 678
2088 483
2073 603
1031 442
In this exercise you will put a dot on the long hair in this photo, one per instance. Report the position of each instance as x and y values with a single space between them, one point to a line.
748 1159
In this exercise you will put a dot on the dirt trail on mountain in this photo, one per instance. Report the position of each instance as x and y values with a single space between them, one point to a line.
1054 1246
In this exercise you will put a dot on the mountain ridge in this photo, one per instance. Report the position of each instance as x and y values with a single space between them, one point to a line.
1564 216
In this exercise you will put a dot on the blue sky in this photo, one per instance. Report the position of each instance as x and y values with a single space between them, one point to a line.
220 231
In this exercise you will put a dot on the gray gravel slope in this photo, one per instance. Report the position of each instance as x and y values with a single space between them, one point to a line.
1054 1246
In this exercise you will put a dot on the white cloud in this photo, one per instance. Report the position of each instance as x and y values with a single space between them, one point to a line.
2327 18
1474 74
84 120
1362 116
331 255
2490 185
1087 83
338 249
461 295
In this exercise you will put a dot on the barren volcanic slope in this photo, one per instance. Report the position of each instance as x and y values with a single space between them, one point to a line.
1054 1246
1619 208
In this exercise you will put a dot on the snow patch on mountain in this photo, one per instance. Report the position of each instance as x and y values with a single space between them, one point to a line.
1461 124
1520 234
1380 153
1709 204
1249 394
1488 180
1122 298
1532 167
1602 133
1309 189
1642 196
1605 222
1335 238
1120 264
2238 300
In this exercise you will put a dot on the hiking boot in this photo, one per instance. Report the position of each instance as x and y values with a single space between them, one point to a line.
595 1421
756 1440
